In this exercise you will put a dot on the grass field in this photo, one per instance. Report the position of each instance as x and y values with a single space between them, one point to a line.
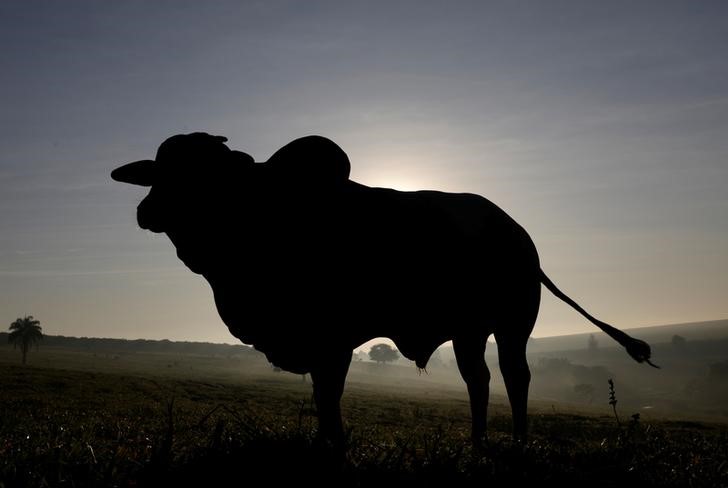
73 418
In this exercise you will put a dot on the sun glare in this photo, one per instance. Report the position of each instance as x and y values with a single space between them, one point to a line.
398 175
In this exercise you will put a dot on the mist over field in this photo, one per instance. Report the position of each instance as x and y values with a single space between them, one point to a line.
569 372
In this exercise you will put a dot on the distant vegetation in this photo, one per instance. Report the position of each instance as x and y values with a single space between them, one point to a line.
99 345
24 333
383 353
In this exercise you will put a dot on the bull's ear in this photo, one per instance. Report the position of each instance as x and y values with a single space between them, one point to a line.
140 173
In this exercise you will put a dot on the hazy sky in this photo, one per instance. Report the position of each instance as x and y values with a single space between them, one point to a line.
601 126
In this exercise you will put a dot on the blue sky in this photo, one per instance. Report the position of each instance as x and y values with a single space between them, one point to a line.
600 126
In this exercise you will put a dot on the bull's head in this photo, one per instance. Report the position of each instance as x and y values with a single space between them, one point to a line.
187 171
199 186
187 178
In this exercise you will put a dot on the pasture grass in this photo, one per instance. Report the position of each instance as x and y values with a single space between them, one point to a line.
81 426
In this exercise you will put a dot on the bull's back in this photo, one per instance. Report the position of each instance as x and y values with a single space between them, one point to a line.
459 231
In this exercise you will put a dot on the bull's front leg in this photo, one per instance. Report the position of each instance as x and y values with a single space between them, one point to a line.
328 386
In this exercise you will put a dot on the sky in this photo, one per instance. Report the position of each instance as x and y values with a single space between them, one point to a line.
601 127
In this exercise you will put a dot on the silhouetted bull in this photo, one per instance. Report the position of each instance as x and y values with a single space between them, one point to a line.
306 265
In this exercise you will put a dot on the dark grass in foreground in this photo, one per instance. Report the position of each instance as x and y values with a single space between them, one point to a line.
70 428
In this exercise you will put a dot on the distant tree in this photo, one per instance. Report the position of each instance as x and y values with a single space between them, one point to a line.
24 333
383 353
593 344
679 342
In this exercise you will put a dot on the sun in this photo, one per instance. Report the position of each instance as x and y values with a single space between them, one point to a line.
396 175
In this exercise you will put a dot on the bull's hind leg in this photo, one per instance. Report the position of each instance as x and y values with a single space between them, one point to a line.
512 333
512 339
517 377
470 356
328 387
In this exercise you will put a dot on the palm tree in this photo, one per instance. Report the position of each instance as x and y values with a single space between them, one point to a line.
24 333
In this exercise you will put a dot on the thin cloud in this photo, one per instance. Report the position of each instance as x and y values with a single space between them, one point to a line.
70 273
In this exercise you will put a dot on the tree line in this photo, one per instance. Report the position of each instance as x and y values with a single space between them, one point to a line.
26 332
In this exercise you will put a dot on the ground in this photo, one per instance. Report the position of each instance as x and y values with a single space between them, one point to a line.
84 419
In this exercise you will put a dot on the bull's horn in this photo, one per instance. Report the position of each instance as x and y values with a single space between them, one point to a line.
140 173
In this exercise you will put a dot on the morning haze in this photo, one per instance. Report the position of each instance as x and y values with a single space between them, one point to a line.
599 127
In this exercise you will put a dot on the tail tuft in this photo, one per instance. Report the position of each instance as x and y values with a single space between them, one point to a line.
639 350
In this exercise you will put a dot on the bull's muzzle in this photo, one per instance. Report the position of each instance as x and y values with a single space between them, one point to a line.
148 217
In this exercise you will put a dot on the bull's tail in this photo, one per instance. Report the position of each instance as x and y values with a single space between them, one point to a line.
639 350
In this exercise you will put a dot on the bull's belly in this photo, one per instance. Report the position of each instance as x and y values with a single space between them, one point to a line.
297 323
300 351
300 334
